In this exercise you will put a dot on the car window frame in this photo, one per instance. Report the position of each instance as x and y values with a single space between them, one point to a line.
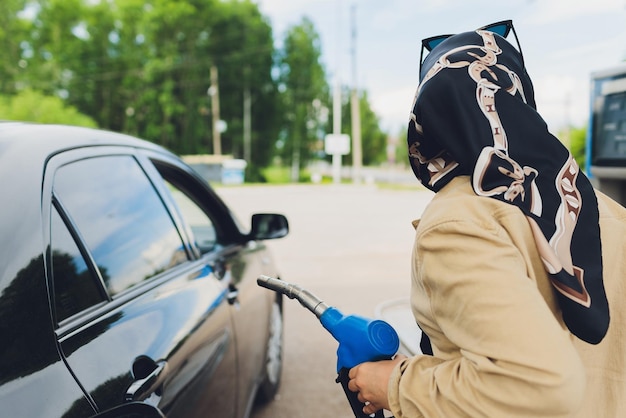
75 234
64 157
227 228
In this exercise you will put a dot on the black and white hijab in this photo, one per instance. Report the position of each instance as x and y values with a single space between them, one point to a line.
474 114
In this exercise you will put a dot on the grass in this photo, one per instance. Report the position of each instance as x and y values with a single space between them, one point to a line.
282 175
276 174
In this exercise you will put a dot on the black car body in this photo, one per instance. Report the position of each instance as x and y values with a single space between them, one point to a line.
125 282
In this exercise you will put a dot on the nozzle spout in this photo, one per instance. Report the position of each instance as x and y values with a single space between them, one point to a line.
292 291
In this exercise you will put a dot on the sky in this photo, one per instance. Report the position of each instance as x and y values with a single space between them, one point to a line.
375 44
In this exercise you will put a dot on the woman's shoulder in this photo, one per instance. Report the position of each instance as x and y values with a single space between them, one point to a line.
457 202
609 208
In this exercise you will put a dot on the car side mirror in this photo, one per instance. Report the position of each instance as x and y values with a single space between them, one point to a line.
268 226
132 410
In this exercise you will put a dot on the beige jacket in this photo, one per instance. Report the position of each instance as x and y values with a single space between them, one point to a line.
480 291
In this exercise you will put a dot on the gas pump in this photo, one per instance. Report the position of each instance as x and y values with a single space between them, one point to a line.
606 135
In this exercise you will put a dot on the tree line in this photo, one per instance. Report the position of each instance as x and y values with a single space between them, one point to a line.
144 67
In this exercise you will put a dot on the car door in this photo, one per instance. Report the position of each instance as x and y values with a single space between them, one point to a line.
139 316
241 261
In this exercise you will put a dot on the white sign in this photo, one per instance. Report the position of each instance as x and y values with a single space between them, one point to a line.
221 126
337 144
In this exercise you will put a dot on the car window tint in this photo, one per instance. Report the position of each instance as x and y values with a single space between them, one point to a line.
201 225
75 287
121 218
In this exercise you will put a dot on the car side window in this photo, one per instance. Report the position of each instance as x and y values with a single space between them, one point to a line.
76 288
121 218
202 227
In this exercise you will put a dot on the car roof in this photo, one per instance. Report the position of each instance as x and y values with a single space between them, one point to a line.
40 141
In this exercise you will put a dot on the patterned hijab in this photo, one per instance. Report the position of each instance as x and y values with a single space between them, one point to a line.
474 114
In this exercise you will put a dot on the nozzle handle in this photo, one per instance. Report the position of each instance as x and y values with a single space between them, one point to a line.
292 291
356 405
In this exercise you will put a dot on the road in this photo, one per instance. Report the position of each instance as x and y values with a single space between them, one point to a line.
348 244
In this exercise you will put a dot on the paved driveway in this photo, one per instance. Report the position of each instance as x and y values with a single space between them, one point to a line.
349 245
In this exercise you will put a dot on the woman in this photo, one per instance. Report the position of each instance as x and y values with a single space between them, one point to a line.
518 264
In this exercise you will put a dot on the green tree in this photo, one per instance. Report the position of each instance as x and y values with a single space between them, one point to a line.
13 32
51 44
172 46
402 150
167 43
143 67
242 48
373 139
304 95
73 56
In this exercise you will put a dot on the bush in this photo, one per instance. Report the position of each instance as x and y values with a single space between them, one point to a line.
32 106
578 139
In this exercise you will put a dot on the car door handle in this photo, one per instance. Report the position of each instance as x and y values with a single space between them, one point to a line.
142 388
232 295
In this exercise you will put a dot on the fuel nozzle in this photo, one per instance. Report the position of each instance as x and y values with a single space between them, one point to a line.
360 339
292 291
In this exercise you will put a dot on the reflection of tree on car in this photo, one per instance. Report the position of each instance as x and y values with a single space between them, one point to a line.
71 281
21 351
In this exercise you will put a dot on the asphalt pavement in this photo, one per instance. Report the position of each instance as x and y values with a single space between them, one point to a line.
348 244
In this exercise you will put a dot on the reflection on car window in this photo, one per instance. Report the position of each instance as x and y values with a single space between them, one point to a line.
121 218
201 225
75 288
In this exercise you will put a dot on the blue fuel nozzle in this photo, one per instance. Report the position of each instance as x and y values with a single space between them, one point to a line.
360 339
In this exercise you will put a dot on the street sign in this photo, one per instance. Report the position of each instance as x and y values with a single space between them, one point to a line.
337 144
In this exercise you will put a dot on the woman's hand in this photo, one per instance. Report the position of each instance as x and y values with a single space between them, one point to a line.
371 380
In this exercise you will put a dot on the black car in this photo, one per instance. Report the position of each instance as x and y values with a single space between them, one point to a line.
126 284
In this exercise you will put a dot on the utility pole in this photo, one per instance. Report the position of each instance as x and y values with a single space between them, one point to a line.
247 122
337 144
357 157
214 93
336 128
